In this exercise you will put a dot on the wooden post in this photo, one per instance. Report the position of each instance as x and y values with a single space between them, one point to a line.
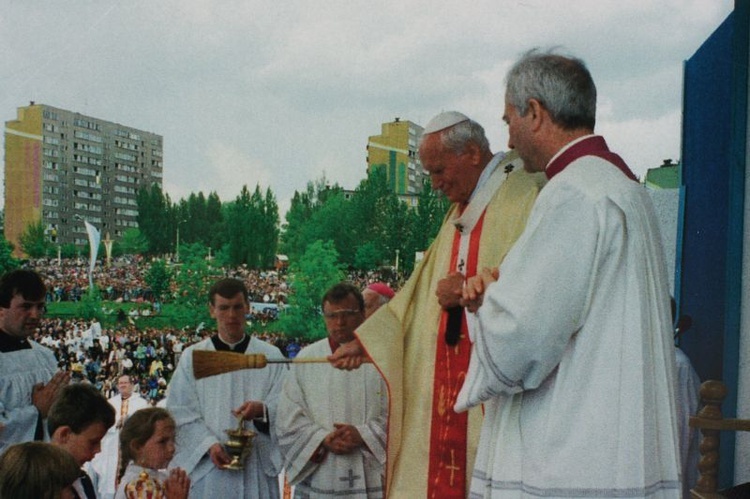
713 394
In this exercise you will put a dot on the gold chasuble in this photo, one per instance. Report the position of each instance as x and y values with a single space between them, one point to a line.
406 340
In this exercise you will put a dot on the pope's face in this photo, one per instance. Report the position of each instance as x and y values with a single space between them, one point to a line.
449 172
230 316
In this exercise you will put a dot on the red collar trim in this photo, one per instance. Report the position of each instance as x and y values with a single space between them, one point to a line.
592 146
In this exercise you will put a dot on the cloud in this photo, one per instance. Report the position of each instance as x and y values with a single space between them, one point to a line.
248 91
644 143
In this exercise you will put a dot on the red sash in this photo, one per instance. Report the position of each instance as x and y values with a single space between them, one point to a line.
448 436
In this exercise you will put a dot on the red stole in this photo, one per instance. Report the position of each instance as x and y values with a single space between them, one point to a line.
592 146
448 436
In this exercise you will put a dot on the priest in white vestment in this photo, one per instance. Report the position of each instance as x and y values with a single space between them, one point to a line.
105 463
331 423
573 355
204 408
29 377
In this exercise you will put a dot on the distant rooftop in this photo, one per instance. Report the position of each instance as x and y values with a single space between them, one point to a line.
667 176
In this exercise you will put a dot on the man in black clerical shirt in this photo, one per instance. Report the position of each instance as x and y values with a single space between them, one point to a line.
204 408
28 371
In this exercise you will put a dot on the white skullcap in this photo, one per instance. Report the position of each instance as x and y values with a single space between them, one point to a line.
444 120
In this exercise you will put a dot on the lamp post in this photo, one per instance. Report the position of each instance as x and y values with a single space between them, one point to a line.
396 262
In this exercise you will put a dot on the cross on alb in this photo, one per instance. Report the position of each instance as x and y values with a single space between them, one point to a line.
351 478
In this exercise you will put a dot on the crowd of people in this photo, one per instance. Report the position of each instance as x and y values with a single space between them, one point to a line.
123 280
100 354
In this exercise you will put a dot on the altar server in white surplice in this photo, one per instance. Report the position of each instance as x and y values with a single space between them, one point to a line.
29 378
331 423
573 355
204 408
106 463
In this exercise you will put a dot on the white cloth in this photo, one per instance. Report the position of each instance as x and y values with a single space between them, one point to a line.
688 400
203 411
19 372
104 464
132 474
573 354
314 397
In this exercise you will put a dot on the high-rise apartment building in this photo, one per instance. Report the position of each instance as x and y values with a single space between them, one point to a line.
396 150
62 167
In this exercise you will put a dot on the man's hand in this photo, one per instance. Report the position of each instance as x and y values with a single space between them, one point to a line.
449 290
252 409
177 485
348 356
219 456
473 292
345 439
43 396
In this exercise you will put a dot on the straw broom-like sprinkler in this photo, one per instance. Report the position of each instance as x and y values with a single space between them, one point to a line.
210 363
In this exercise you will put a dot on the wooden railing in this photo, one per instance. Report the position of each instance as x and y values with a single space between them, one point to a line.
710 422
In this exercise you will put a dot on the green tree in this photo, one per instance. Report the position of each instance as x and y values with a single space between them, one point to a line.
159 278
269 234
301 230
368 207
69 250
215 222
156 219
398 219
310 277
252 228
90 306
7 261
34 241
332 222
428 218
133 242
193 280
239 217
367 256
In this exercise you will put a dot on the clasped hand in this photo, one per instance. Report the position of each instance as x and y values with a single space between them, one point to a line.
42 396
473 291
344 439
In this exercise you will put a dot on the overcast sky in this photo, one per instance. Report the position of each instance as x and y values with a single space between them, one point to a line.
282 92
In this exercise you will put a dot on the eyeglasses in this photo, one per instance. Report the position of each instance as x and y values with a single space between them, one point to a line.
346 314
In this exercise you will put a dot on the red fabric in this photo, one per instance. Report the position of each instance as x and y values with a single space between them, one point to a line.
592 146
382 289
334 346
448 434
